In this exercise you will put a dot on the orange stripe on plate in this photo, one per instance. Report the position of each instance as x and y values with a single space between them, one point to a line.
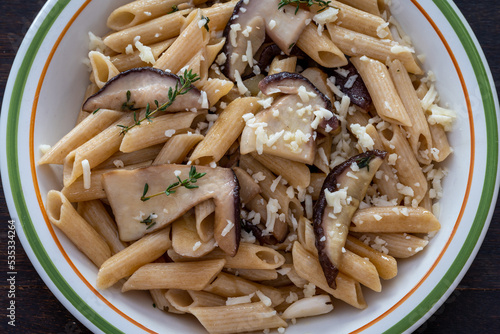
469 180
35 179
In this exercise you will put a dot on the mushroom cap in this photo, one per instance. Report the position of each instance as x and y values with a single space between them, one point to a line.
146 85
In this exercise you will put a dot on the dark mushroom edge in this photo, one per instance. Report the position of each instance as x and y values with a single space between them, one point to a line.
333 182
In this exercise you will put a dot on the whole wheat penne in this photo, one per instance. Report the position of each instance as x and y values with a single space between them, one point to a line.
258 204
216 89
398 245
320 47
249 256
76 192
140 11
225 130
120 159
394 220
355 44
282 65
160 302
95 151
369 6
185 238
322 158
382 90
440 146
190 41
151 32
177 148
62 214
151 133
409 172
205 216
127 61
256 275
102 68
188 275
295 173
419 134
308 267
238 318
183 300
248 187
305 234
359 20
227 285
84 131
386 265
126 262
96 215
385 179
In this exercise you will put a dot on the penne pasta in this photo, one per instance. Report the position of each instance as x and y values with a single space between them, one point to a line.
189 275
103 68
205 217
183 300
126 262
238 318
96 215
186 241
62 214
177 149
320 48
295 173
398 245
225 131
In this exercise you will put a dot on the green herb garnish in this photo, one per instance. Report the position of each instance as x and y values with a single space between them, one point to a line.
187 183
149 221
309 3
129 105
95 111
206 23
365 161
174 9
181 88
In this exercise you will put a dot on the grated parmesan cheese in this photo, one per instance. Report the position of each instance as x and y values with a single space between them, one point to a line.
86 174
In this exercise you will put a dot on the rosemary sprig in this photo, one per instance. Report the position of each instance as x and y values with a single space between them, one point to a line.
181 88
149 221
187 183
309 3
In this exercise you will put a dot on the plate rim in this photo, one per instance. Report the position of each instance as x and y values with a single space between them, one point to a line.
17 203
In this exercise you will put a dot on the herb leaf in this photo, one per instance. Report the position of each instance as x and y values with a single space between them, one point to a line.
182 87
187 183
309 3
174 9
149 221
365 161
95 111
206 23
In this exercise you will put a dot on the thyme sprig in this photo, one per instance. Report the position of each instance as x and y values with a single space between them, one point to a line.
174 9
207 21
187 183
149 221
309 3
183 86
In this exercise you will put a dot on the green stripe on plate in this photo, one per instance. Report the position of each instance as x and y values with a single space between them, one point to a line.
490 173
15 179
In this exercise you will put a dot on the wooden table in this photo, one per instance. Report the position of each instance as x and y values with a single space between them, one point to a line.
472 308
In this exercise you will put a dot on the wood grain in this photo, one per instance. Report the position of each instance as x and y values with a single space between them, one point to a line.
472 307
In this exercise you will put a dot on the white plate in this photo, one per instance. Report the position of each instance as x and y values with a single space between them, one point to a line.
43 96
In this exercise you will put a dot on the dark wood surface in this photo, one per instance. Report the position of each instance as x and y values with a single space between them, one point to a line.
472 308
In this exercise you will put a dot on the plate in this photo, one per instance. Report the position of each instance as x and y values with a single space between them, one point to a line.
40 105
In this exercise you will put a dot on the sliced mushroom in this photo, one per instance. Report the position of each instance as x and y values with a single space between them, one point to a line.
283 26
146 85
287 128
350 83
344 188
136 217
281 131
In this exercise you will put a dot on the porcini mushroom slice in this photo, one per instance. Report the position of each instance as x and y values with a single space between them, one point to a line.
136 217
284 130
246 30
146 85
344 188
294 83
